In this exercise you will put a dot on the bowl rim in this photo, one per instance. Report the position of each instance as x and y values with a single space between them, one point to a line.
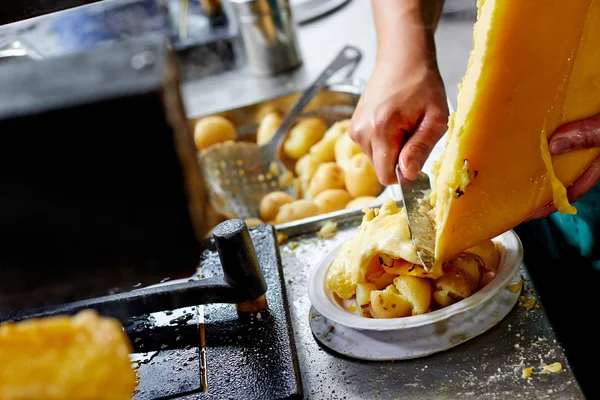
511 260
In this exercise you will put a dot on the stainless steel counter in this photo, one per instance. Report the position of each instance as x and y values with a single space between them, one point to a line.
489 366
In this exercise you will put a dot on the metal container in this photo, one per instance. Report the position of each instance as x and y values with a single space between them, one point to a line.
268 32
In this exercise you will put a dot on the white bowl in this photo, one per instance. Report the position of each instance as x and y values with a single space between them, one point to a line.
421 335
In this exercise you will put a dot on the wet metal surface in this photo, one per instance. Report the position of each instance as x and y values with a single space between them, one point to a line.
248 356
489 366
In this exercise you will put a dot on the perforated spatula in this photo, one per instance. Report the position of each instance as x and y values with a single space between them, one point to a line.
240 174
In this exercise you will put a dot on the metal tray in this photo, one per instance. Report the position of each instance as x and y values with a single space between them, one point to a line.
335 102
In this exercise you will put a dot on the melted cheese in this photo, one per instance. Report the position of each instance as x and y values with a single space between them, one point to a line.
535 63
384 231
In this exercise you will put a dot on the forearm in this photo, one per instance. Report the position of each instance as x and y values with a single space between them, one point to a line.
405 31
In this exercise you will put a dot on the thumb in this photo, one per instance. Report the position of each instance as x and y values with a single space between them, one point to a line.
578 135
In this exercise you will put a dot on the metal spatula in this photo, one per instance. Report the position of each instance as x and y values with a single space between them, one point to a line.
240 174
421 225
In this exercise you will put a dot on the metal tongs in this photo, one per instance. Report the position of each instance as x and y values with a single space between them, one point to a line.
420 224
240 174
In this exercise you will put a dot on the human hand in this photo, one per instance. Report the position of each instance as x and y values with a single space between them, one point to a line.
584 134
399 118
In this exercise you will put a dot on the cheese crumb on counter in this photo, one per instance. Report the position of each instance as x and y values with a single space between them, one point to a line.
328 230
555 367
527 372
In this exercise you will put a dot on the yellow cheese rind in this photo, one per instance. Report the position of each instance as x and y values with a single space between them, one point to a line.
80 357
535 63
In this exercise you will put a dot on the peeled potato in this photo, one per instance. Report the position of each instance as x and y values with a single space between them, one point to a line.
362 201
267 127
332 200
328 176
324 149
296 210
344 149
361 178
303 136
252 222
417 291
212 130
389 303
363 293
271 203
489 254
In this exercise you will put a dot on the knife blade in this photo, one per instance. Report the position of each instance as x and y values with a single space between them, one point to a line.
421 225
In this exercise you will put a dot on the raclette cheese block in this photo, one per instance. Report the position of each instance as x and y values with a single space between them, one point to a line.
80 357
535 66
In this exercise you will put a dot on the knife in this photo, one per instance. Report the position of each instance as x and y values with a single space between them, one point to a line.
420 224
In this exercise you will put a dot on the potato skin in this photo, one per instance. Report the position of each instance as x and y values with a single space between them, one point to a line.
324 149
271 203
332 200
267 127
303 136
211 130
344 149
298 209
361 178
328 176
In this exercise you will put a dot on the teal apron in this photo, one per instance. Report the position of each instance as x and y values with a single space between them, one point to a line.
562 256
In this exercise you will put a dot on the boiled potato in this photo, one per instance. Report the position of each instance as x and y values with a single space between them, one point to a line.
363 293
469 263
361 178
328 176
332 200
303 136
344 149
252 222
212 130
389 303
305 168
406 268
296 210
453 286
324 149
363 201
489 254
267 127
271 203
417 291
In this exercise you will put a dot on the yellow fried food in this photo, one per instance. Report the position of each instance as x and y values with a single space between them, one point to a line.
332 200
362 201
270 204
324 149
80 357
382 231
211 130
344 149
298 209
328 176
303 136
361 178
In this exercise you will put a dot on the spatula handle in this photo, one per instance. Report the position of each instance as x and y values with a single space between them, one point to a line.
348 56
